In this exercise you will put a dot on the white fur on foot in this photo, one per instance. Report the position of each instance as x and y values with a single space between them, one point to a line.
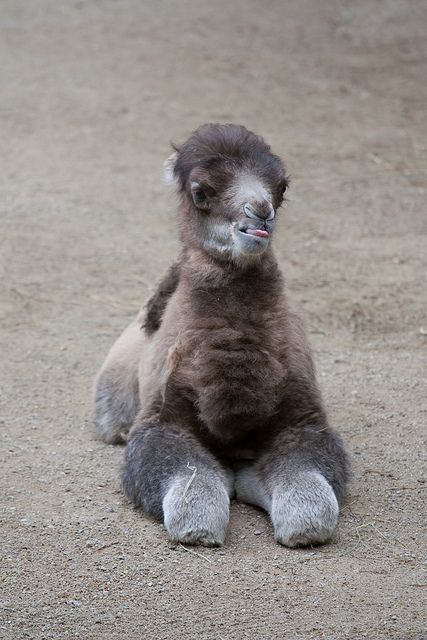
197 513
304 512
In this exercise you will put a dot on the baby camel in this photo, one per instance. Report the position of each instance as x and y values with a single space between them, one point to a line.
213 386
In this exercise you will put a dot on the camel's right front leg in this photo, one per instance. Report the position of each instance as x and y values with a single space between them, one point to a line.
173 478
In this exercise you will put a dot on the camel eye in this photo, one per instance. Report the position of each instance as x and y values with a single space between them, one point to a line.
281 192
199 196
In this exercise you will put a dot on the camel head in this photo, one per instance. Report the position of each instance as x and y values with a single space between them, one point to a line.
231 186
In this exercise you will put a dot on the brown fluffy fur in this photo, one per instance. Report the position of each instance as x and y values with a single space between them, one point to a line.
225 369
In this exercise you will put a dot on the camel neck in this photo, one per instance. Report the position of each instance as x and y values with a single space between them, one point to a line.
258 284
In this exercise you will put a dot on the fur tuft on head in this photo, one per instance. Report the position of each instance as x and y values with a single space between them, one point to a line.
230 144
169 167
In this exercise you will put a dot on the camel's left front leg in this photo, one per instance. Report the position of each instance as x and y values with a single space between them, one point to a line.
299 481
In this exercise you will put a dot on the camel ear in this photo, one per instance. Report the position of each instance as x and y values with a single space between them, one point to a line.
169 167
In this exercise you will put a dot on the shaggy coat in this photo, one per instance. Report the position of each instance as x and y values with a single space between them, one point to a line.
218 389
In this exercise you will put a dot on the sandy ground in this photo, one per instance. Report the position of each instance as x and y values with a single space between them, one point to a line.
91 95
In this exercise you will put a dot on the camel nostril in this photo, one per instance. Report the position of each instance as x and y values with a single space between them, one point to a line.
250 211
264 213
272 212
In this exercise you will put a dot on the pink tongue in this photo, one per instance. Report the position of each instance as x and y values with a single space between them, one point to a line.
258 232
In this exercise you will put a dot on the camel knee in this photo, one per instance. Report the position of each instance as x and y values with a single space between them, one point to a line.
116 404
116 397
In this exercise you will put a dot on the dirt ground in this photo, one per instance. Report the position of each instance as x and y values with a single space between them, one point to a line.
91 95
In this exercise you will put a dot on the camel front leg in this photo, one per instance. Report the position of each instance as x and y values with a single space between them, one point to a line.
173 478
298 481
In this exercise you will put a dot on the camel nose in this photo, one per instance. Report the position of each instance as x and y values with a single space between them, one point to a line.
264 211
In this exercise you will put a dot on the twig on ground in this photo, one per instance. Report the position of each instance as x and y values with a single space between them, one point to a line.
108 544
195 553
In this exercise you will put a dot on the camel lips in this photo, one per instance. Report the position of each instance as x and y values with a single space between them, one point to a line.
261 233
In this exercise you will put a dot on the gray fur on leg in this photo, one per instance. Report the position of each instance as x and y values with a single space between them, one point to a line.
305 511
115 407
249 490
173 478
196 509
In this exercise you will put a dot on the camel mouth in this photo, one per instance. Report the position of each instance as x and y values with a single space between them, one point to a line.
256 234
251 240
260 233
